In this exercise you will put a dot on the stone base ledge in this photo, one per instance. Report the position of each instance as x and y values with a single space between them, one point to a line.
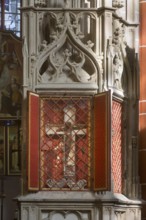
66 196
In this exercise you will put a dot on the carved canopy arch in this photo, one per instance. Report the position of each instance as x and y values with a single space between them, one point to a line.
68 64
64 57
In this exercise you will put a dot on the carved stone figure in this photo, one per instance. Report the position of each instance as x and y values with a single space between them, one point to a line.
119 33
117 71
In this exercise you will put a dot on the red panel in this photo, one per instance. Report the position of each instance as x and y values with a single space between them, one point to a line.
142 53
142 23
142 107
33 145
102 140
117 146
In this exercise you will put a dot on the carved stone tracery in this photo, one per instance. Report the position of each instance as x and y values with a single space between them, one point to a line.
67 65
66 51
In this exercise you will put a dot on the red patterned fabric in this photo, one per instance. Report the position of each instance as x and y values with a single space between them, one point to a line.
33 145
102 114
51 145
52 157
117 146
82 158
